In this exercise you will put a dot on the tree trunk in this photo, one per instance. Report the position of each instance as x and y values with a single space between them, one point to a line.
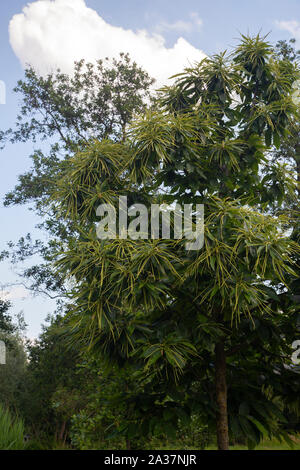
297 160
221 397
62 431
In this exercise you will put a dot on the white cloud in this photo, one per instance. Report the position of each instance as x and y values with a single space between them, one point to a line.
50 34
14 293
292 27
181 26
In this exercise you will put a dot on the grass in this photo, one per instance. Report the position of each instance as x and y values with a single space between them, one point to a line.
11 431
267 444
156 444
272 444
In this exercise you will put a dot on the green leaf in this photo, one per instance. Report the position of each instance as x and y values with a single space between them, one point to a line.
268 137
276 140
259 426
244 409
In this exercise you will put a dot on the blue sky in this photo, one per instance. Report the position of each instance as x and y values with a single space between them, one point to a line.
50 34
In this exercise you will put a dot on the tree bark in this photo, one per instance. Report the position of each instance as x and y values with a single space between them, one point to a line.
221 397
62 431
128 444
297 160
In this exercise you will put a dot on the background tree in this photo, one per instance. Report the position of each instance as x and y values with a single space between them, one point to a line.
63 113
289 151
12 373
52 366
6 324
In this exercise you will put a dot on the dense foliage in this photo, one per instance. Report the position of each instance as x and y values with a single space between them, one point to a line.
211 319
156 342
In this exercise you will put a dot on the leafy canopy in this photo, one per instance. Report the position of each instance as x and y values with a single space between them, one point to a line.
151 303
